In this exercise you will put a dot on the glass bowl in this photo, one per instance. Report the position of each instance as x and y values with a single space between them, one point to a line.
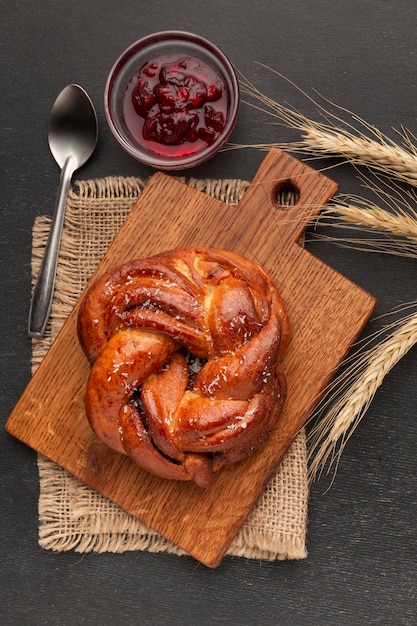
171 100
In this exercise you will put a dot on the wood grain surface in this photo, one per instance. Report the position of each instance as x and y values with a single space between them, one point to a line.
326 310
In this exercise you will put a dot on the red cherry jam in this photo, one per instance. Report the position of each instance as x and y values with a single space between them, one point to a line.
175 106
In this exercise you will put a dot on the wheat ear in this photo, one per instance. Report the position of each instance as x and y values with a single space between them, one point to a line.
396 223
398 233
372 217
358 142
348 397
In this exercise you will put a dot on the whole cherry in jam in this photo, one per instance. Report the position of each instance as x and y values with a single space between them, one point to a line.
180 102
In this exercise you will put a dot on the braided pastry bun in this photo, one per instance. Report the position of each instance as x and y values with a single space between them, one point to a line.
185 353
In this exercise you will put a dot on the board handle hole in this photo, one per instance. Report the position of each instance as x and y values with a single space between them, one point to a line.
285 194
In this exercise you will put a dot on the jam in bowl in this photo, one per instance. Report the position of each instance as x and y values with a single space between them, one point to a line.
172 100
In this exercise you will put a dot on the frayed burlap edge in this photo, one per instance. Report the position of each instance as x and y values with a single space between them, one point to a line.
72 516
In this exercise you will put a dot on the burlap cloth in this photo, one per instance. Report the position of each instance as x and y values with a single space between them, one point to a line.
72 516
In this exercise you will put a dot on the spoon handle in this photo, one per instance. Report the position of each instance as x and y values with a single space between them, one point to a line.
43 292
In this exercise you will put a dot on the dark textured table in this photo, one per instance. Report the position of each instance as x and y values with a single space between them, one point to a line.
362 562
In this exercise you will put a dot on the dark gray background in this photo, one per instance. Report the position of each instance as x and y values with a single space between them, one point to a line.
361 567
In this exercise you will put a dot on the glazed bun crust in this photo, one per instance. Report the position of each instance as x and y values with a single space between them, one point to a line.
185 350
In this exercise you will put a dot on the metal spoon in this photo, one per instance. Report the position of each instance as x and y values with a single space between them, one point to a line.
72 139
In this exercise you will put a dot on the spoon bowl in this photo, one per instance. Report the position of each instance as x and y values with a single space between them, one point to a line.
72 127
72 137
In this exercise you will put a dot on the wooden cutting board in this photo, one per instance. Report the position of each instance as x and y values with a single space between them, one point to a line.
326 310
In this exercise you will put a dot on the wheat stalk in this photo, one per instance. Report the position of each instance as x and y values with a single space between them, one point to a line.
398 237
348 397
350 394
397 223
358 142
372 217
398 229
